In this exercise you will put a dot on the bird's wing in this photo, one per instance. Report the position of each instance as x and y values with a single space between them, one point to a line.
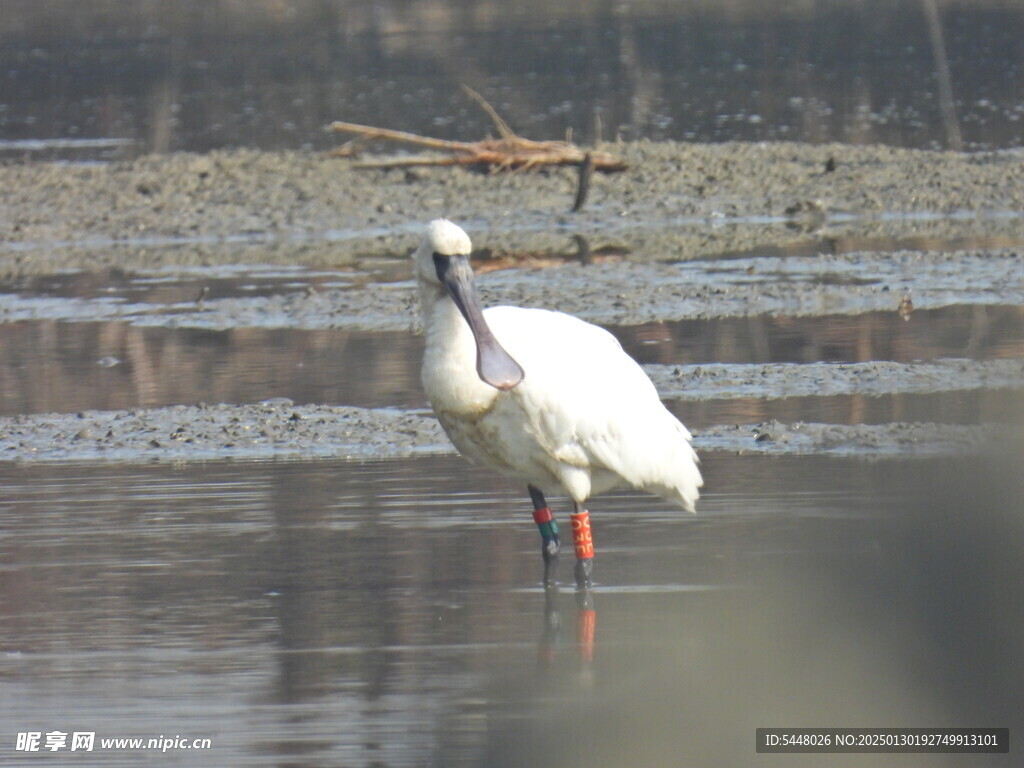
593 405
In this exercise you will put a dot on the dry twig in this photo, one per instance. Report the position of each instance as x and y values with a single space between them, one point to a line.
509 152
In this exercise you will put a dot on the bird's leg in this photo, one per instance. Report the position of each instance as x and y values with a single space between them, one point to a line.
545 519
583 542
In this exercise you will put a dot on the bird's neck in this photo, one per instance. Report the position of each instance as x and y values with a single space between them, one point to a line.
449 359
442 320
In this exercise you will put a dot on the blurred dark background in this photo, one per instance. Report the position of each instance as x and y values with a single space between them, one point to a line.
121 77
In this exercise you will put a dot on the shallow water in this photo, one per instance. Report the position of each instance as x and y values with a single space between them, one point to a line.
102 362
116 80
390 613
51 366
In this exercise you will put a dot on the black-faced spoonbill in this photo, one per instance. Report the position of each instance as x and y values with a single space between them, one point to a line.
545 397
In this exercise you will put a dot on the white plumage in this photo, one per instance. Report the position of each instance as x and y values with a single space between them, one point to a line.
563 408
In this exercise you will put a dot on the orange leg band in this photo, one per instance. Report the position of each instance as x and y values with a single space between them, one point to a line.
582 541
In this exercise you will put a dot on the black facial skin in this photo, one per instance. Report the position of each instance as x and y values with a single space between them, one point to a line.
494 365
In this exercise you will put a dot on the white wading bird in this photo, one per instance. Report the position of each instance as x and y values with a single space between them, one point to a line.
544 397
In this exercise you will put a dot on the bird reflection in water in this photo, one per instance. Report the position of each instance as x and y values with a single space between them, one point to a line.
551 632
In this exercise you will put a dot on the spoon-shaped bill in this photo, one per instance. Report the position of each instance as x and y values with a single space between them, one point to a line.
494 365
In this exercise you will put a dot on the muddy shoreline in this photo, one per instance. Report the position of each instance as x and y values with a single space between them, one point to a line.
286 431
690 231
614 293
677 201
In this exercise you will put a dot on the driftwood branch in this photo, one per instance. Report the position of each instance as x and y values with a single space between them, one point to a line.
509 152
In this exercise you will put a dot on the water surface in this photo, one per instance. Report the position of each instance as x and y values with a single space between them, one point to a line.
116 79
389 613
52 366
